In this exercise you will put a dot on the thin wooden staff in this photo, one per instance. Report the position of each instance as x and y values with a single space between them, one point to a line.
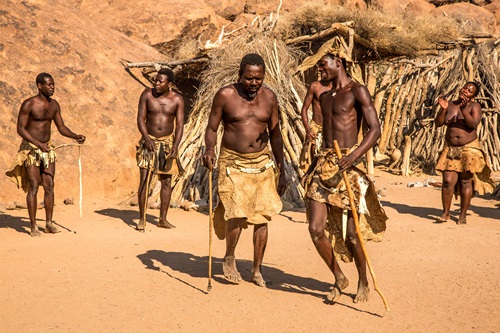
210 225
80 178
146 198
356 224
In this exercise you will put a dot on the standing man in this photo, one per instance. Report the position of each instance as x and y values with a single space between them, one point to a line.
462 162
343 109
160 120
35 161
247 172
315 127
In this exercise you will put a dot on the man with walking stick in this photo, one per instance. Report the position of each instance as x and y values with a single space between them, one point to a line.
329 210
160 120
247 172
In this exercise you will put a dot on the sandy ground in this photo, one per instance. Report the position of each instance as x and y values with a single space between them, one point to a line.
100 275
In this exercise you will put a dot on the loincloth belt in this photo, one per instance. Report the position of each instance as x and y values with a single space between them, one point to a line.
467 158
247 189
326 185
157 160
29 155
306 155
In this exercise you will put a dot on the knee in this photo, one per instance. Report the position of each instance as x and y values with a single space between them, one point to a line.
352 238
447 184
316 231
33 187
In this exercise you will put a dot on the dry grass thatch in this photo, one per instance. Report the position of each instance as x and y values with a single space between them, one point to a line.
223 70
395 32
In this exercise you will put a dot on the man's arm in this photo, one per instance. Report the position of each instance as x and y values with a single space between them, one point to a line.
277 142
141 120
65 131
214 120
305 106
363 99
179 126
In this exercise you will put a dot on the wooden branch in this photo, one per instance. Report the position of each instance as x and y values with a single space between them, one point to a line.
166 63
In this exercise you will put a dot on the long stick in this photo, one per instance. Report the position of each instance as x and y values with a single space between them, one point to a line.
356 224
210 224
80 173
146 199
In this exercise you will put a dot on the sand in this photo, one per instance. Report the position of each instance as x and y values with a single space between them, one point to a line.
99 274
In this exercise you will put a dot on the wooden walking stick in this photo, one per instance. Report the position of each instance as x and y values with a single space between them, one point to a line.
146 198
356 224
80 173
210 225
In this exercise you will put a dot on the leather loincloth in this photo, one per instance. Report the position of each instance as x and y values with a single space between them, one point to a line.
326 185
28 155
157 160
246 188
469 157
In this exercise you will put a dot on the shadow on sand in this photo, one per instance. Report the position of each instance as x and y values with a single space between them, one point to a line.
423 212
127 216
197 267
20 224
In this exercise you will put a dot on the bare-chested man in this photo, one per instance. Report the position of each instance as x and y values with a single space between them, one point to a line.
462 161
161 112
343 108
35 163
313 129
247 173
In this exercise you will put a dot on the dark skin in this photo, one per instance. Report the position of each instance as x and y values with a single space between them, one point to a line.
461 117
249 112
160 111
313 99
34 125
342 116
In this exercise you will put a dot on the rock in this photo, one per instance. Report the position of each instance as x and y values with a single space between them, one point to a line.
3 208
69 201
475 19
10 206
20 205
134 201
154 204
287 205
174 204
382 193
415 184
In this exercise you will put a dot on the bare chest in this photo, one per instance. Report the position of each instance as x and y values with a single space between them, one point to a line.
43 112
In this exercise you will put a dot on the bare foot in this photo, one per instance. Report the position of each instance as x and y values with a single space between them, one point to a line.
141 225
50 228
258 279
166 225
363 293
462 220
340 284
230 271
443 218
35 232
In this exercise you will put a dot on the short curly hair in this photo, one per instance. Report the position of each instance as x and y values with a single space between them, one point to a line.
169 73
251 59
40 78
